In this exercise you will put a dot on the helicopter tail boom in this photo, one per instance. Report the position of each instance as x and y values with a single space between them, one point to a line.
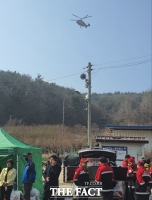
87 25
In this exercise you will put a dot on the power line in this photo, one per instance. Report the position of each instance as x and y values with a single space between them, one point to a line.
71 71
120 66
64 76
3 87
102 64
94 74
123 60
125 65
116 66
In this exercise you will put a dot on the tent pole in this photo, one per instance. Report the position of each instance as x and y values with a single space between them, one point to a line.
17 171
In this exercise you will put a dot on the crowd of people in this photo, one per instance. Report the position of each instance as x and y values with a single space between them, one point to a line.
138 181
50 174
8 177
139 178
104 175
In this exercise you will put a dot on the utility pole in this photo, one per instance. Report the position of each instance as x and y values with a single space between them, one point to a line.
88 98
63 119
89 104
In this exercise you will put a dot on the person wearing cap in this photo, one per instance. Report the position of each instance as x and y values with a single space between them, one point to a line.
29 175
142 158
142 182
125 161
81 176
51 176
105 175
131 174
7 178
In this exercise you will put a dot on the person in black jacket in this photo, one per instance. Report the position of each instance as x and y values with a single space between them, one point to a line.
51 175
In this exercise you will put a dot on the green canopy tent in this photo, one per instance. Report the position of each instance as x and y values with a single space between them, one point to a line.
13 148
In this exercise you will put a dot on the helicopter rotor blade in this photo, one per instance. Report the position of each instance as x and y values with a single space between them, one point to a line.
76 16
86 16
73 20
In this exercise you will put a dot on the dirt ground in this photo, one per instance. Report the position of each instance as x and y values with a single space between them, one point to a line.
61 176
63 184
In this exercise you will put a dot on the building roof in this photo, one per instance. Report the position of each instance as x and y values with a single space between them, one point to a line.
121 139
146 128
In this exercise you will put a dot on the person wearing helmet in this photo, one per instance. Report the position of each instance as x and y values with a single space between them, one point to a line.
81 176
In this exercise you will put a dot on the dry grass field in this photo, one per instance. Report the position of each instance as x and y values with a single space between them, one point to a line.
50 137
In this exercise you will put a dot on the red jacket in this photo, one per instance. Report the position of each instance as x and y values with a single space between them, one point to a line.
150 170
142 183
124 163
131 170
131 179
81 176
142 175
105 175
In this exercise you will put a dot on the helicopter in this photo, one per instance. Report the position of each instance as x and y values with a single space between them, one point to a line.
80 22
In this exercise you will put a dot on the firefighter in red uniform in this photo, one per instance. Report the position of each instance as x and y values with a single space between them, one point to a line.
81 176
125 161
142 191
125 164
131 174
150 171
105 175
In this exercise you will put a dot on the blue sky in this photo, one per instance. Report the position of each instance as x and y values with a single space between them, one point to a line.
37 37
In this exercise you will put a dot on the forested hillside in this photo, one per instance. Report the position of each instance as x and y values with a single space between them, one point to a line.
126 108
38 102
